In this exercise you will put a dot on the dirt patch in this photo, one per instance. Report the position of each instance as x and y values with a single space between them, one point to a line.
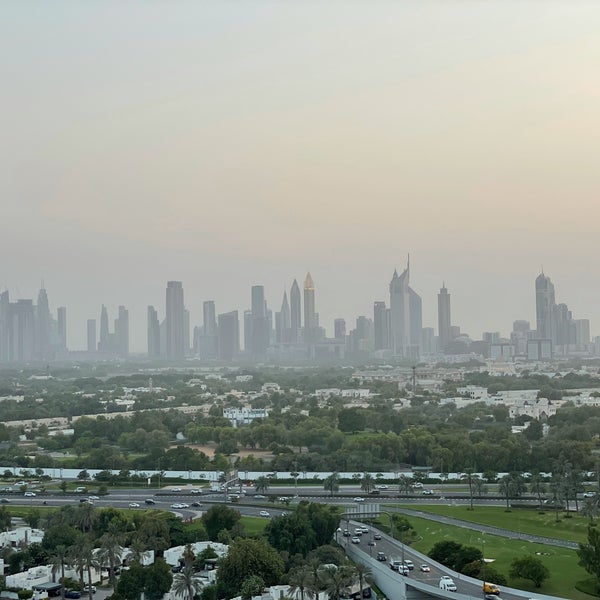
209 450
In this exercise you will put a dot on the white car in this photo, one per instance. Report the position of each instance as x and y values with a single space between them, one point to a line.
589 494
29 494
424 568
175 489
194 491
355 540
134 505
93 497
358 499
382 487
176 505
264 513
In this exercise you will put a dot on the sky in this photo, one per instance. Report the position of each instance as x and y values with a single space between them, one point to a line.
227 144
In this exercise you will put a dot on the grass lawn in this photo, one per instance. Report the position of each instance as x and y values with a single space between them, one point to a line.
561 562
522 520
254 525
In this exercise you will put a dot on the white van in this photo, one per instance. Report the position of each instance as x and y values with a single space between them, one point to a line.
447 584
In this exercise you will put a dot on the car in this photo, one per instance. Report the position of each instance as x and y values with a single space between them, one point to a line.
589 494
29 494
259 496
346 533
176 505
86 589
381 557
371 543
177 569
409 564
81 489
427 492
355 540
377 536
374 493
86 501
183 505
195 491
149 501
491 588
396 565
234 496
447 583
382 487
72 594
4 500
93 497
175 489
425 568
358 531
196 504
264 513
364 529
358 499
283 499
491 597
134 505
417 485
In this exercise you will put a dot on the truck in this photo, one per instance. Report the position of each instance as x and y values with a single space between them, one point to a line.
490 588
447 583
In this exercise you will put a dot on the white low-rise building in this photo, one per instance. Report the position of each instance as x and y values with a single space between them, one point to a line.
21 536
172 555
245 415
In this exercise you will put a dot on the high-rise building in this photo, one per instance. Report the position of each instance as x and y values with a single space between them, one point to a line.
153 333
339 329
121 335
582 328
61 317
4 327
311 319
406 318
381 326
42 326
208 341
229 335
22 331
545 307
91 336
295 312
186 332
444 318
175 320
283 322
260 329
103 341
428 340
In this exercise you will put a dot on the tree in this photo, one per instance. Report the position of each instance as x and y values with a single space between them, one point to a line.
590 508
537 486
110 554
252 586
529 567
219 517
363 574
332 483
186 583
367 483
262 484
248 557
469 476
300 580
59 560
405 485
158 579
337 580
4 519
589 554
454 555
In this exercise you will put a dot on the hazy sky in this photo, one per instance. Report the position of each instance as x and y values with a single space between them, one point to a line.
227 144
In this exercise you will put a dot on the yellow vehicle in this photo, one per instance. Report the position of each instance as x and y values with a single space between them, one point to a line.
490 588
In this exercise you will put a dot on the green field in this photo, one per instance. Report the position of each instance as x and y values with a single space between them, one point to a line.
561 562
521 520
254 525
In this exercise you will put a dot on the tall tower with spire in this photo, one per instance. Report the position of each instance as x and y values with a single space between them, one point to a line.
283 322
310 314
295 312
444 318
406 320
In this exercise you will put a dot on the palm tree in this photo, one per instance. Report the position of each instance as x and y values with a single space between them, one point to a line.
505 488
363 574
302 580
479 487
90 561
110 553
137 549
469 476
590 508
337 580
186 584
332 483
60 559
86 517
405 485
537 486
262 484
367 483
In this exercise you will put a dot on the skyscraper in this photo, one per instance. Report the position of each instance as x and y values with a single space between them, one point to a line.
229 335
103 341
310 314
175 320
259 334
545 306
121 335
208 342
339 329
153 332
42 326
295 311
209 317
444 318
406 320
381 326
61 317
91 335
283 322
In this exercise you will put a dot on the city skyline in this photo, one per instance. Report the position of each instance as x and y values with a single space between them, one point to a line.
171 329
227 146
